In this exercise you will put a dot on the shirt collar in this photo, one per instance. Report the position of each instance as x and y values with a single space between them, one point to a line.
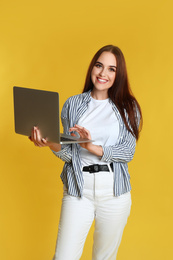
87 96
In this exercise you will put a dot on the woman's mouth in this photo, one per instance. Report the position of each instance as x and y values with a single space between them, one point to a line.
102 81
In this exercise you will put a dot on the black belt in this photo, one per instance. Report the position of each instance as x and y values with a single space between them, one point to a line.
97 168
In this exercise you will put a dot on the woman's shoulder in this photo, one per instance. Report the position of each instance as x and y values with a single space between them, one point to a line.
78 98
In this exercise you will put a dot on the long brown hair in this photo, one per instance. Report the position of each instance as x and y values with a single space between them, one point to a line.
120 92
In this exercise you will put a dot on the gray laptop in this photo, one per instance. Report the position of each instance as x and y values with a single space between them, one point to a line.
40 108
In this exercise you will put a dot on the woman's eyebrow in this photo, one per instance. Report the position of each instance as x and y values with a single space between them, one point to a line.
112 66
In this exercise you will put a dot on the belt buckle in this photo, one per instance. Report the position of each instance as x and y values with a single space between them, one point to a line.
94 168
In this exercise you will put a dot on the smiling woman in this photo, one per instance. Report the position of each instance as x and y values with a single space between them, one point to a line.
103 74
95 175
120 92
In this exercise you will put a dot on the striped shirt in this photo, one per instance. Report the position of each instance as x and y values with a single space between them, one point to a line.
120 153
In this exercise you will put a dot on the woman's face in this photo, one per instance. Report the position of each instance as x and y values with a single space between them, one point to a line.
104 72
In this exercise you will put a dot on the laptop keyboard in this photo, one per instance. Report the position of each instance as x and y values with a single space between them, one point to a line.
67 139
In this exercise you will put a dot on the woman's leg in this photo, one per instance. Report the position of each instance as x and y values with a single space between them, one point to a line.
110 220
77 215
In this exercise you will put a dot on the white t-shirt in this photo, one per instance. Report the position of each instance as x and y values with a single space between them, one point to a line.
103 125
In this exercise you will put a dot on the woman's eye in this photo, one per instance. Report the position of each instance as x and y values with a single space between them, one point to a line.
112 69
98 65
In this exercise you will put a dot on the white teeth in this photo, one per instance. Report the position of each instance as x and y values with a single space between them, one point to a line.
102 80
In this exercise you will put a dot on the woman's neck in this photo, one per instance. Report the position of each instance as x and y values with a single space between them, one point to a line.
99 95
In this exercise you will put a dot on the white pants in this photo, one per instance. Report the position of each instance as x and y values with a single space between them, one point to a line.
77 214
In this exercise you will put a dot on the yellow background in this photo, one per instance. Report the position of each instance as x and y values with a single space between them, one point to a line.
48 45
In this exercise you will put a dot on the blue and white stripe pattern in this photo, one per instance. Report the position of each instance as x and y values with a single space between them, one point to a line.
120 154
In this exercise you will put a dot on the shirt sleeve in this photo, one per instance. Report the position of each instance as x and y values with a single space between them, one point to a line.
122 152
125 149
65 154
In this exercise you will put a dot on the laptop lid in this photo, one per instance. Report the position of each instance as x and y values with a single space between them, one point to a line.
40 108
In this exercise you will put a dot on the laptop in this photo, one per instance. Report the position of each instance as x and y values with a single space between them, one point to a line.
40 108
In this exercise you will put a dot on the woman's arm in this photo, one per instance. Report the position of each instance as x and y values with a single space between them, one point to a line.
61 151
122 152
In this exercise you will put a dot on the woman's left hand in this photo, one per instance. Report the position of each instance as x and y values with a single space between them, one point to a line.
84 133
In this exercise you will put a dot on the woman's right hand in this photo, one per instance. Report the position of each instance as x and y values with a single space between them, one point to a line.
42 142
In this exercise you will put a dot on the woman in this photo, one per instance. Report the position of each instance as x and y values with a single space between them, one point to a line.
95 174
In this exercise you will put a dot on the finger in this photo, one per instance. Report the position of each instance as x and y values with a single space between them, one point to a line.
72 134
81 128
76 128
79 131
33 134
72 129
37 135
44 141
39 140
83 132
88 134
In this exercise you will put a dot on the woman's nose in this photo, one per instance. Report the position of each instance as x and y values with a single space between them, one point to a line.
102 72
